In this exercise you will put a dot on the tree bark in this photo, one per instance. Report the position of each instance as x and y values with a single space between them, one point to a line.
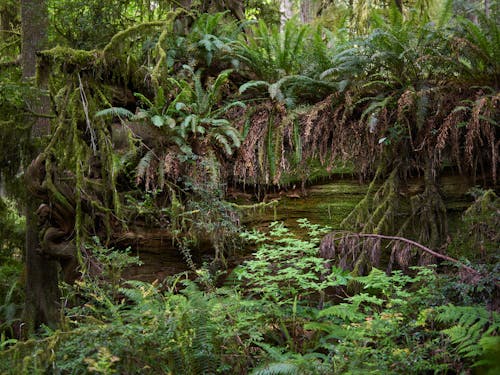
286 9
399 5
42 292
309 10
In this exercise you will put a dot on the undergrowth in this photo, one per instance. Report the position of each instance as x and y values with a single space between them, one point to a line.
288 312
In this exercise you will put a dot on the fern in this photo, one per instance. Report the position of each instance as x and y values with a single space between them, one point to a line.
277 368
345 311
143 165
481 50
472 325
284 362
270 54
115 111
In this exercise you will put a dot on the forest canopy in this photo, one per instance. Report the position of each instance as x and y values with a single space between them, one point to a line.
138 131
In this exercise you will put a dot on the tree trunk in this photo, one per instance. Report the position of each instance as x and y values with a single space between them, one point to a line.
308 10
42 292
286 9
399 5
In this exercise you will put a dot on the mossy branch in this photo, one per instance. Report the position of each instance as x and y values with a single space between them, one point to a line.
272 203
137 29
75 59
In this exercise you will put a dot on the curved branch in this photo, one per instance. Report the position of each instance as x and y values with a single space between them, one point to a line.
413 243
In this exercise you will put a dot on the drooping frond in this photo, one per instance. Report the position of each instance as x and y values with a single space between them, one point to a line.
115 111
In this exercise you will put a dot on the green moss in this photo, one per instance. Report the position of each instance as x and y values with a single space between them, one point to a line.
71 59
327 204
118 38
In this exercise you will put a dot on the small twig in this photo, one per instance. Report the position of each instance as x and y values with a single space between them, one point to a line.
41 115
87 118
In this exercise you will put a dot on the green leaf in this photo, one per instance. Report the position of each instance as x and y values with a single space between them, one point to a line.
115 111
252 84
180 106
170 122
157 121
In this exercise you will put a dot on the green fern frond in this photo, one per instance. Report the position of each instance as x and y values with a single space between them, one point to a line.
253 84
471 324
344 311
222 141
115 111
144 165
221 79
278 368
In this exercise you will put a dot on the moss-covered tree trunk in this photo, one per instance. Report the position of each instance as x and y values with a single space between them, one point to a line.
42 292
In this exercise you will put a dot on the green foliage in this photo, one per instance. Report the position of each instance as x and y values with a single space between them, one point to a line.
295 88
476 50
398 102
479 237
90 24
211 39
270 54
285 267
12 236
12 231
290 313
191 117
14 128
473 330
284 362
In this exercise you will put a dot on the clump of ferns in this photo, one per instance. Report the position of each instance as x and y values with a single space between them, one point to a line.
211 40
268 54
189 123
190 140
474 48
279 64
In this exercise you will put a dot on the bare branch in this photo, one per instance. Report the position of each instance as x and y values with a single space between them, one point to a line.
412 243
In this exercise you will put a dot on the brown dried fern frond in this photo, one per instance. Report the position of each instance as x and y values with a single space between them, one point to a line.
246 163
481 131
447 133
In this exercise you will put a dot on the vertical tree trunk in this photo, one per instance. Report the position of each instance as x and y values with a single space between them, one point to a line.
286 9
42 292
309 9
399 5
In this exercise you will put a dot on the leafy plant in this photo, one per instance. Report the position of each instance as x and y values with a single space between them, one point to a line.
190 117
287 268
475 48
270 54
473 331
211 38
